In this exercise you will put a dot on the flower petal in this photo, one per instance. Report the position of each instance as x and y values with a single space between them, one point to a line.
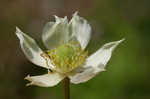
47 80
55 33
80 29
95 63
103 55
30 49
81 76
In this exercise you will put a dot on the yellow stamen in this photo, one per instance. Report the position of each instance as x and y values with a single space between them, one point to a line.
67 56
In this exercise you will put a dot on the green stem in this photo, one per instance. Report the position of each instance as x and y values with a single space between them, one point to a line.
66 85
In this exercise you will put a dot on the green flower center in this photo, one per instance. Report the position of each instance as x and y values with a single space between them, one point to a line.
67 56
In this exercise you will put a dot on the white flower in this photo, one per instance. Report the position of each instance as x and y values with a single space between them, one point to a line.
65 56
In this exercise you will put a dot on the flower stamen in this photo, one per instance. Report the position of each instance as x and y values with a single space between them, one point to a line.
67 56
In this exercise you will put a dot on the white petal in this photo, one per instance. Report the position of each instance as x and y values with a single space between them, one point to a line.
30 49
95 63
80 29
55 33
103 55
81 76
47 80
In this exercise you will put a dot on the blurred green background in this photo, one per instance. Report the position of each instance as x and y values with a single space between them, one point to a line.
128 72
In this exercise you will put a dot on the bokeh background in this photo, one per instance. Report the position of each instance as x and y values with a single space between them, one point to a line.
128 71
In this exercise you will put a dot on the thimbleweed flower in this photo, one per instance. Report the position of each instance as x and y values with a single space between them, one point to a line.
66 55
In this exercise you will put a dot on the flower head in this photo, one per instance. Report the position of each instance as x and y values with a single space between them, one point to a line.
66 55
